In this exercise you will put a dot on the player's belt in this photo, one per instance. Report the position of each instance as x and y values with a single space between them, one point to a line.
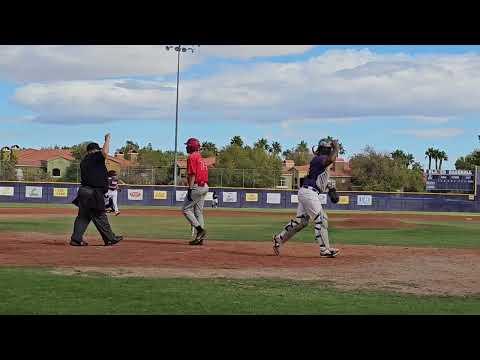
201 184
311 188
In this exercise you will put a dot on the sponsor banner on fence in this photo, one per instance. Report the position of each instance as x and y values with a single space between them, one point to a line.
273 198
6 190
364 200
60 192
344 200
251 197
294 199
135 194
209 196
229 196
159 195
33 192
180 195
471 197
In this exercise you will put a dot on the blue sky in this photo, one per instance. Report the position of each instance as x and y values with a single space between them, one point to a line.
389 97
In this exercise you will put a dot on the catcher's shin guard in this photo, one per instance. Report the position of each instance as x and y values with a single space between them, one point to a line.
321 230
294 226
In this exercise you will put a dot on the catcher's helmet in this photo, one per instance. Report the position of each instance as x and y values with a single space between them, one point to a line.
192 145
324 147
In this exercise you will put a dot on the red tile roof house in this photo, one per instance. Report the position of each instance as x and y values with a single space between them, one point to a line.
54 162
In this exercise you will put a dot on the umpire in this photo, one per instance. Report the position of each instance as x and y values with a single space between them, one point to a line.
90 196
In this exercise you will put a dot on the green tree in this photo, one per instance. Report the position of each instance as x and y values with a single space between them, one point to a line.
442 156
276 147
237 140
403 158
301 154
469 161
209 149
430 154
374 171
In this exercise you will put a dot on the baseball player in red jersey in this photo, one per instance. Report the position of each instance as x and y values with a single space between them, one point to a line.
197 177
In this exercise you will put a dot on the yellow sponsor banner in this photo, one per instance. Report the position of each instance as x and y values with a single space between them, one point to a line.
344 200
251 197
160 195
60 192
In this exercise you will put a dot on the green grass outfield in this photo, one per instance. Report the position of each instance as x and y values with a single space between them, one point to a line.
287 211
453 234
27 291
36 291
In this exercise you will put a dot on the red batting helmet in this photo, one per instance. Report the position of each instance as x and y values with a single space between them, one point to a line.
192 145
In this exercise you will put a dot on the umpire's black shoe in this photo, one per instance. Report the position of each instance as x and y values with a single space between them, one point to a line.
76 243
116 240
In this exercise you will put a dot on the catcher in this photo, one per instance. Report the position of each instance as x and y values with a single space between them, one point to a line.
309 205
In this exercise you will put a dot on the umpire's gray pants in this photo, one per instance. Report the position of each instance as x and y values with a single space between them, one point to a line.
193 210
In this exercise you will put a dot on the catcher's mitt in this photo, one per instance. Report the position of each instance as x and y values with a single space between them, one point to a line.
333 195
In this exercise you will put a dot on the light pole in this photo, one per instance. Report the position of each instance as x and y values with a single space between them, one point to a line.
178 49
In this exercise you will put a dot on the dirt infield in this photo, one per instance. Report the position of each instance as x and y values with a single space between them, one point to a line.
410 270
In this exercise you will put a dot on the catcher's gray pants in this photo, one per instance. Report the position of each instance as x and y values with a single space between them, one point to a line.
309 207
193 210
112 194
100 220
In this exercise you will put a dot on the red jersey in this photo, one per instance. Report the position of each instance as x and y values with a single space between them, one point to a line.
197 166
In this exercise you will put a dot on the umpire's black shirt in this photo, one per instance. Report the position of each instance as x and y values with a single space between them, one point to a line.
94 180
94 171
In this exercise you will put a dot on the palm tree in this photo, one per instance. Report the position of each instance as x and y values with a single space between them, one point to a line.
262 144
442 157
430 153
302 147
236 140
276 147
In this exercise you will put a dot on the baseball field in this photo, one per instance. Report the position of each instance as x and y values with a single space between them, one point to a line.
390 263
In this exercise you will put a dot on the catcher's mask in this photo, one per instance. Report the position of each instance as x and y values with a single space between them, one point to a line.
324 148
192 145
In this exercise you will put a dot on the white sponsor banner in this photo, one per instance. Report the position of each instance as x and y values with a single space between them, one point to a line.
209 196
33 192
273 198
364 200
135 194
6 190
230 197
323 199
294 199
180 195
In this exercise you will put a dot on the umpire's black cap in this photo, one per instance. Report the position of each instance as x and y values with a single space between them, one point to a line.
93 146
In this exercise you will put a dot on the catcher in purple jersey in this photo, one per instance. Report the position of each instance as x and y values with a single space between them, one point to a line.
309 204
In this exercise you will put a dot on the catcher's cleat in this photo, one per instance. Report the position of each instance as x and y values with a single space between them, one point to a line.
76 243
116 240
196 242
276 245
331 253
201 235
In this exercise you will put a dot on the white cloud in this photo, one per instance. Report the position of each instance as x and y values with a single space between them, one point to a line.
251 51
339 85
432 133
32 63
431 119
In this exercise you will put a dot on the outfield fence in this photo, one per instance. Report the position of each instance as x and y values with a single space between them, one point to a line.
158 195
